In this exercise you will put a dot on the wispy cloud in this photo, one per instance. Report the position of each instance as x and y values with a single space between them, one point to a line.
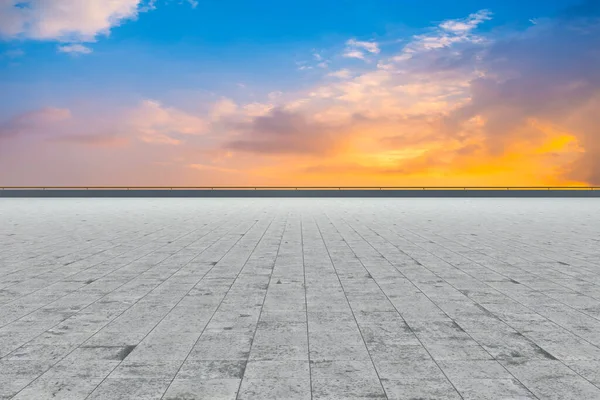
74 49
354 54
342 74
371 47
462 26
14 53
360 49
453 106
446 99
446 34
155 123
33 122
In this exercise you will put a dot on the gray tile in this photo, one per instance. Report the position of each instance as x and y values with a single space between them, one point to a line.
553 380
17 374
425 389
345 379
278 369
146 369
194 389
422 369
275 389
337 346
212 370
474 369
222 346
130 388
57 386
498 297
492 389
590 370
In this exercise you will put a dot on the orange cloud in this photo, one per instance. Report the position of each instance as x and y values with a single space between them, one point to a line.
452 108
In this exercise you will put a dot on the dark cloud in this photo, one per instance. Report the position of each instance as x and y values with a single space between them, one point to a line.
285 132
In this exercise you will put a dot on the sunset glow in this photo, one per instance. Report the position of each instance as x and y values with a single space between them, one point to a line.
359 93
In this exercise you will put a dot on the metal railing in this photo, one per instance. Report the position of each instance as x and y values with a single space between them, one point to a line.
299 187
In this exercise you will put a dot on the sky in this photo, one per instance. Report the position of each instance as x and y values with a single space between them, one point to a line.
286 93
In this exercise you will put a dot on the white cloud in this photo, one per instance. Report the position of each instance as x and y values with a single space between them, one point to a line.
257 109
468 24
67 20
71 20
446 34
354 54
371 47
74 49
222 108
274 95
342 74
156 123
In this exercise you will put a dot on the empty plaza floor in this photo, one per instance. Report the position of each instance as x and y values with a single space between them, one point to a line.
307 298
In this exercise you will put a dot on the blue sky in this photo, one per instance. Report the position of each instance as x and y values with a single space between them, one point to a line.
203 80
218 44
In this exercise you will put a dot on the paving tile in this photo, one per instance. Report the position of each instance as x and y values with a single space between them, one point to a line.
222 346
552 380
17 374
130 389
337 346
194 389
474 369
146 369
275 389
414 388
278 369
212 369
409 368
293 298
590 370
492 389
58 386
345 379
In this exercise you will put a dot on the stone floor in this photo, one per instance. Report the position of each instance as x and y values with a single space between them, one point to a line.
299 299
